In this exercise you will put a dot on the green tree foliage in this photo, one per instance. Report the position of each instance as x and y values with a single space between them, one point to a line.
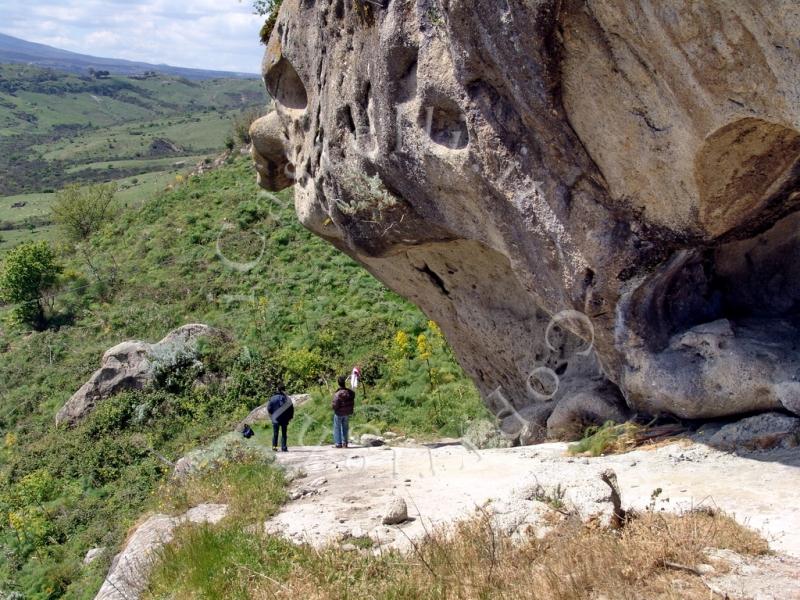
29 271
81 211
269 9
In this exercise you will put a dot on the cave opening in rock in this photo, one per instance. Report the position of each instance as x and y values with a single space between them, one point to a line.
750 281
445 125
285 86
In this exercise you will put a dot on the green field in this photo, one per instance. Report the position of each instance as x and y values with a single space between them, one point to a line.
60 128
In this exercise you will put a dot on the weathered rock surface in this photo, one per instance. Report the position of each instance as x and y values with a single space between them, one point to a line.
596 200
761 432
396 512
128 576
229 447
130 365
761 578
483 434
521 488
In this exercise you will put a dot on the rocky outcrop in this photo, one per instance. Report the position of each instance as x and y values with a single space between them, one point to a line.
129 573
596 200
230 447
130 365
761 432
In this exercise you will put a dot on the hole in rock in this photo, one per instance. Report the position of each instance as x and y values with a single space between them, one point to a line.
344 119
445 125
435 279
285 86
754 282
402 68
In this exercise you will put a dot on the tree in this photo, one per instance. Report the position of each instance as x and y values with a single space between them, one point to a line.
29 271
81 211
269 9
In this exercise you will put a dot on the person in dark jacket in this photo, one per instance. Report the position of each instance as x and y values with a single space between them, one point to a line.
281 411
343 402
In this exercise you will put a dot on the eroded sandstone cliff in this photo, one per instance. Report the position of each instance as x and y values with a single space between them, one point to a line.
596 199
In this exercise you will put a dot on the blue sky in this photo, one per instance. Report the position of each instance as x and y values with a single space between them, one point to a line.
209 34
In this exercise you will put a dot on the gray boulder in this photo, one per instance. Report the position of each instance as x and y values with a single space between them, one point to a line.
527 425
396 512
579 193
225 448
130 365
574 413
370 440
485 434
130 570
761 432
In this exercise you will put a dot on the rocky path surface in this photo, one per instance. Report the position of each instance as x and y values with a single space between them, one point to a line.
344 493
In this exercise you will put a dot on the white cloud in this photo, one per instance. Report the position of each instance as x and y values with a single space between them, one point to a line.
206 34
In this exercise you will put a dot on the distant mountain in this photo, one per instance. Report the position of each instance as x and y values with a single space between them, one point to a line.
15 50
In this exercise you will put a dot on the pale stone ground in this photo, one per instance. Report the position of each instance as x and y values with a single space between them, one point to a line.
447 483
346 492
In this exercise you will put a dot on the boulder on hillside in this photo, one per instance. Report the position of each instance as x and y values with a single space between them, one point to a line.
93 554
225 448
584 195
130 570
131 365
163 147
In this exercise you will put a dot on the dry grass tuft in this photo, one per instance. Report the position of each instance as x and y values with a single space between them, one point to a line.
618 438
644 559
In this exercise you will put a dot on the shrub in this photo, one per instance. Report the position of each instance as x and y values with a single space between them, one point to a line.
241 126
269 9
80 211
29 272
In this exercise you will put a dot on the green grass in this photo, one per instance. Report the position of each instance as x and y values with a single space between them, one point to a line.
196 132
13 237
36 205
149 164
304 312
608 438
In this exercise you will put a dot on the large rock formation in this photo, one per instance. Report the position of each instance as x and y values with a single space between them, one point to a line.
132 365
596 199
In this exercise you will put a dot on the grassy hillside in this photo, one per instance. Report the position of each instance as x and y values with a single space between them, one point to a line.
58 128
304 313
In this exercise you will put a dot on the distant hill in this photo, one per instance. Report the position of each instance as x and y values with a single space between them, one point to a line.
15 50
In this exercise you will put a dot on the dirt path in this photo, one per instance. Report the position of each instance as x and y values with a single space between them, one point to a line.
346 491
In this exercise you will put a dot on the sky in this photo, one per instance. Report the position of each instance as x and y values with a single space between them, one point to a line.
204 34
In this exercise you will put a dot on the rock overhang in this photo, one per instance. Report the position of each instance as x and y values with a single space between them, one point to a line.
542 175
